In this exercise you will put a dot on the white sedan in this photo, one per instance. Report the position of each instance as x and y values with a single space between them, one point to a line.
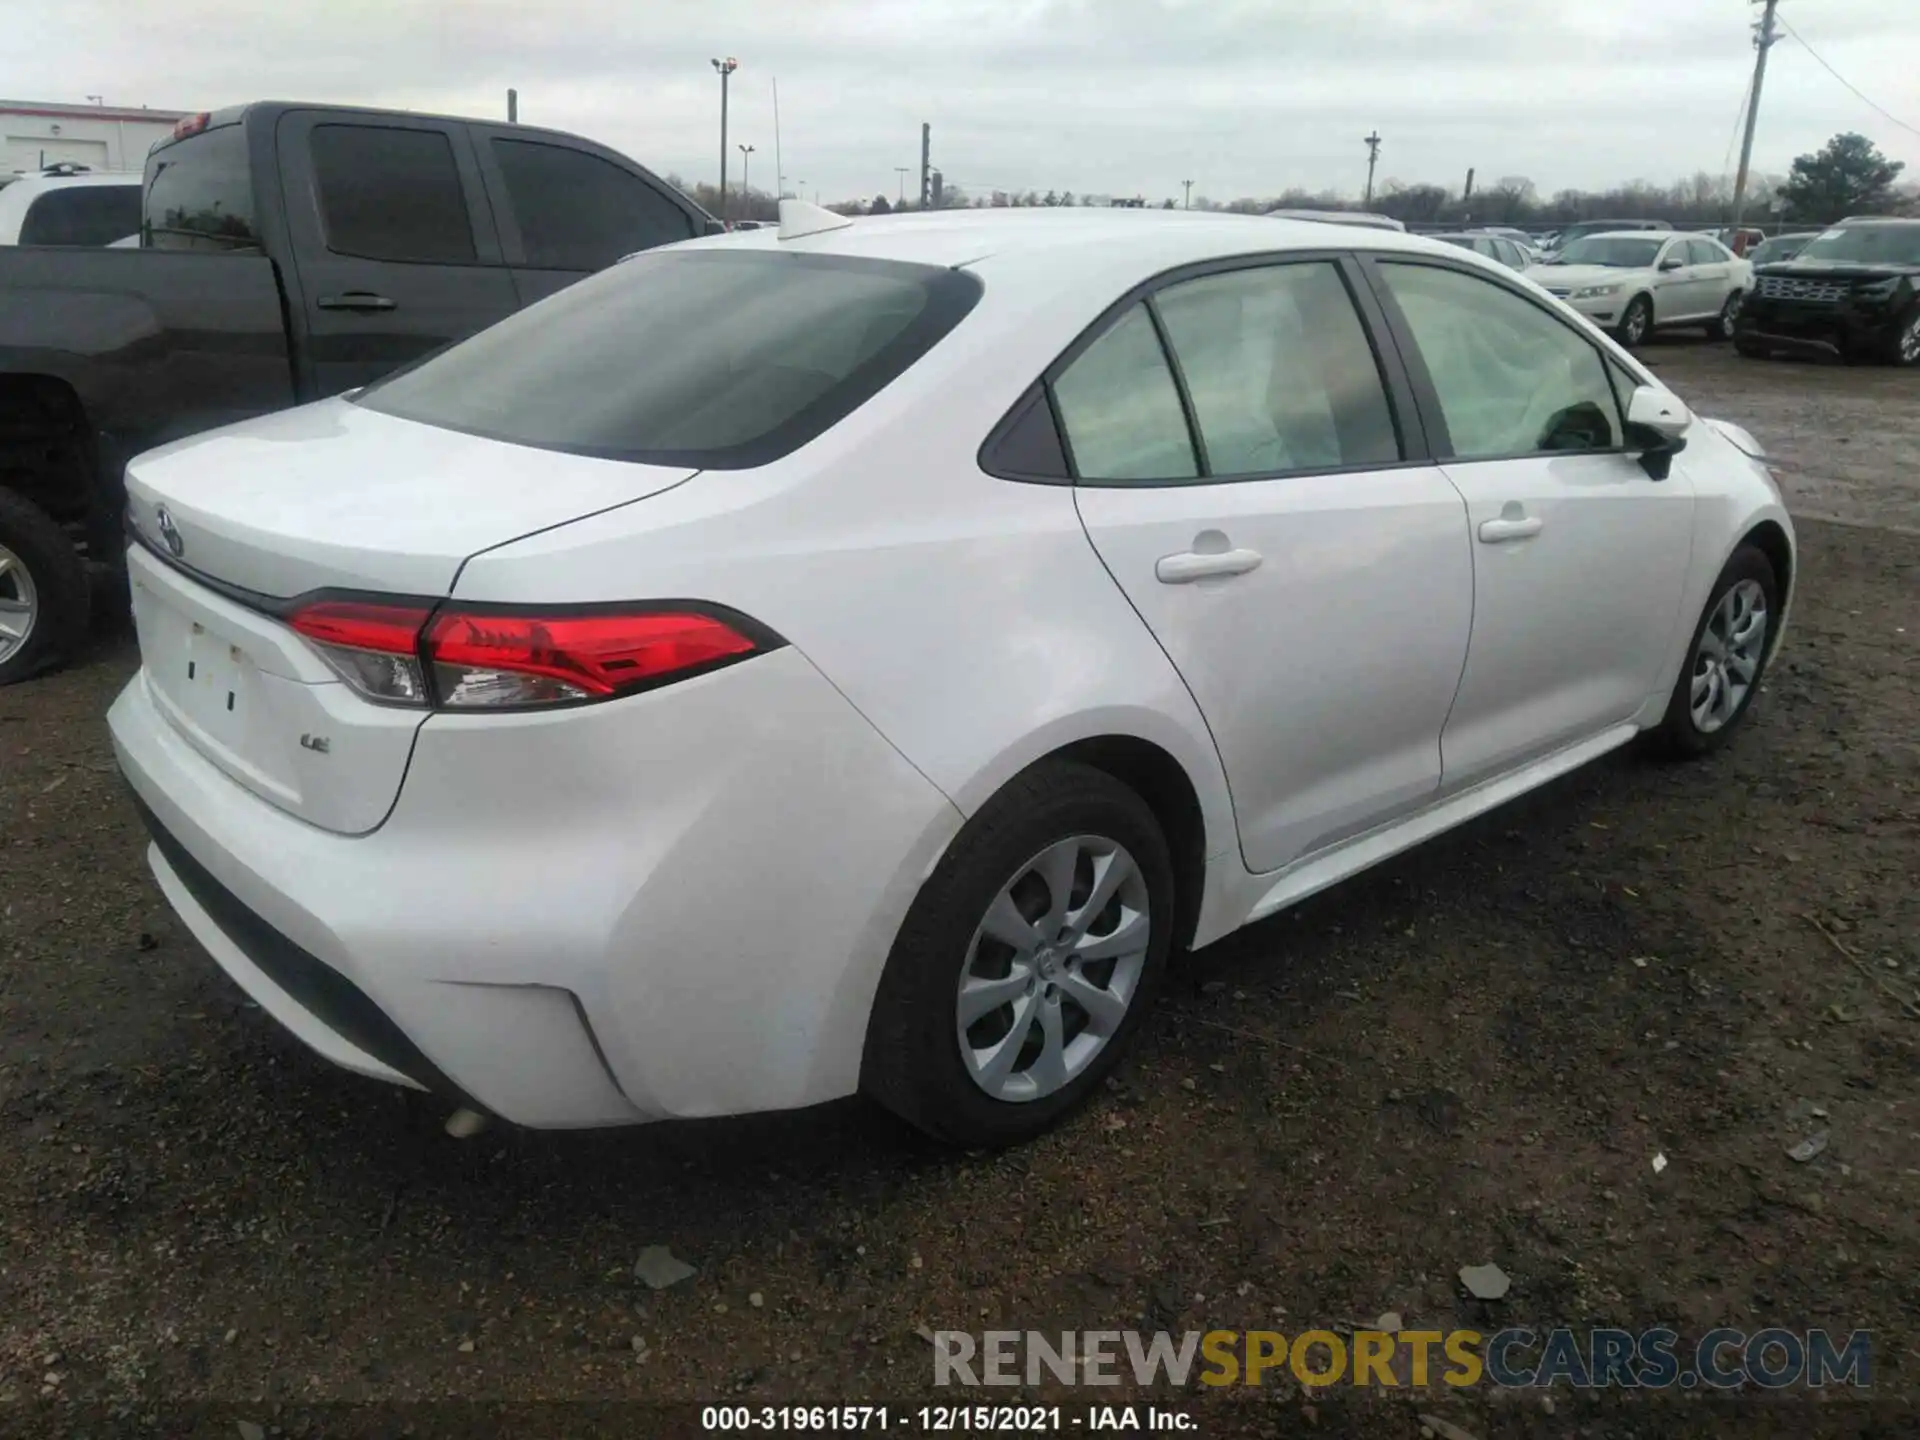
1634 282
858 656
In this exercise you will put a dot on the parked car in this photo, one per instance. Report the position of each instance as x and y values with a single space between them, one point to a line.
1584 228
1340 217
1634 283
1510 253
290 252
1852 292
490 720
1738 238
69 205
1780 247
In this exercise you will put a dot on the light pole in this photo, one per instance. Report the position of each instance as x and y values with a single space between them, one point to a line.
746 185
1372 142
726 68
1189 187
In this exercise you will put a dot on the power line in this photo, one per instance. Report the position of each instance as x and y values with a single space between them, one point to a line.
1871 105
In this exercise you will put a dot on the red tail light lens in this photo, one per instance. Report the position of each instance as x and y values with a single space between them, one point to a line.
481 659
192 125
373 647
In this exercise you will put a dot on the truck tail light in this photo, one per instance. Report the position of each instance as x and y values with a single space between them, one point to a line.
507 658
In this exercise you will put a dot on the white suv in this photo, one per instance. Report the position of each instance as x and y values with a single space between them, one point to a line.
69 205
1634 282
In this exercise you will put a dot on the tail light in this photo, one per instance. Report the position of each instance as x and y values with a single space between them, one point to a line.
192 125
497 658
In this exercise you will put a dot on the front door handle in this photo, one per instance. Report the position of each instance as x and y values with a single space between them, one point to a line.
1495 532
356 300
1189 565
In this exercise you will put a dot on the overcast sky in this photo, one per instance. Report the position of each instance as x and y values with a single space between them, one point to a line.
1245 97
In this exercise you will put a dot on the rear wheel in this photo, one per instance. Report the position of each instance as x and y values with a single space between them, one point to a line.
1722 328
44 600
1636 321
1027 961
1727 660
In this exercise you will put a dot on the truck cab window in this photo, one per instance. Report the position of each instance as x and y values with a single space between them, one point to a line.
387 193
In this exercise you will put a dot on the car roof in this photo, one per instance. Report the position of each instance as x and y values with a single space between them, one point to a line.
48 181
1149 238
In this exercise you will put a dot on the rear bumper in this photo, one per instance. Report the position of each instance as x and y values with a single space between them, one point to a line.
675 904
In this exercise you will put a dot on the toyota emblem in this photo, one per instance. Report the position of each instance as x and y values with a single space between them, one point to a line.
169 531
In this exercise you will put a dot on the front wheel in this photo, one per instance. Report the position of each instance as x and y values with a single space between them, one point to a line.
44 599
1027 961
1636 321
1905 349
1728 657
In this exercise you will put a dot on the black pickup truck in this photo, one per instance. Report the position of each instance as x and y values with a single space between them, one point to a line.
287 252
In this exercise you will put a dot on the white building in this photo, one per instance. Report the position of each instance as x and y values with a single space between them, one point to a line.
103 137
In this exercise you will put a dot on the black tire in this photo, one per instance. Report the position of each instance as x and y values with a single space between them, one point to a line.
1903 349
1678 736
58 580
1636 322
912 1063
1722 325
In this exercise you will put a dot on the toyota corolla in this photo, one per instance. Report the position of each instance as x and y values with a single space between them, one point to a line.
856 656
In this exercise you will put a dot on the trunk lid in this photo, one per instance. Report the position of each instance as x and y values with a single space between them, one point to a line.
325 497
332 495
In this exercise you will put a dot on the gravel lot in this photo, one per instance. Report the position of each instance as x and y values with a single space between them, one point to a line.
1470 1054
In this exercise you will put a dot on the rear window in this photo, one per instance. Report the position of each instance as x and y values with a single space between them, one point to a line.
199 194
82 215
389 193
715 358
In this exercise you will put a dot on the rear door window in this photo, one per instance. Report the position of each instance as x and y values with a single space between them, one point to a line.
577 211
705 357
391 194
199 194
82 215
1279 371
1121 408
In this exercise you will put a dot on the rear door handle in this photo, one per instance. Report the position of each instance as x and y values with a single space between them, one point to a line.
1189 565
1494 532
356 300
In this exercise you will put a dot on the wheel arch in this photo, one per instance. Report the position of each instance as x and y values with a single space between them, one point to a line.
1160 780
1770 538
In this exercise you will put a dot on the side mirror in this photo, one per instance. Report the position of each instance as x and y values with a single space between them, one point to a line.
1672 262
1657 424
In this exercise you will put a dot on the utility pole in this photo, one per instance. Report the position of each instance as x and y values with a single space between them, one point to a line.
1764 36
513 107
1466 197
903 171
779 170
926 166
726 68
1373 156
746 186
1188 185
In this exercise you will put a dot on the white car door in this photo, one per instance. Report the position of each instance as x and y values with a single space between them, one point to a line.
1307 573
1716 274
1675 295
1579 556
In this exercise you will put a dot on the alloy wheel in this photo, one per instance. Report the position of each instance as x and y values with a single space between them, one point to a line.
1727 660
1633 328
1053 968
1910 342
1730 315
19 604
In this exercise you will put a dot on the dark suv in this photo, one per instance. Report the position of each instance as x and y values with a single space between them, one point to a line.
1852 293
